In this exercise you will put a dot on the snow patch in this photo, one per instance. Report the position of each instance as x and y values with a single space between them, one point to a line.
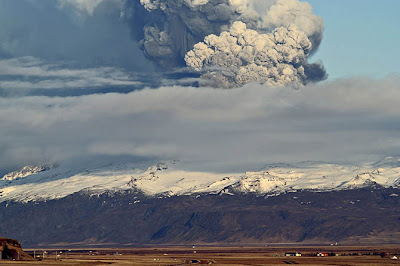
24 172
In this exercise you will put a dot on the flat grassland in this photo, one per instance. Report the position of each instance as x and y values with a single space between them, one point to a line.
216 255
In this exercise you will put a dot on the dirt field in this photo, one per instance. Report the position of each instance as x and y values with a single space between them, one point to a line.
275 255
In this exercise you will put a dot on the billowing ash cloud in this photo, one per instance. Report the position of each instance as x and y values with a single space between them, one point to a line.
242 56
292 12
216 38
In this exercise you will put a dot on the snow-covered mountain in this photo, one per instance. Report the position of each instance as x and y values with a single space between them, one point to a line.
34 183
24 172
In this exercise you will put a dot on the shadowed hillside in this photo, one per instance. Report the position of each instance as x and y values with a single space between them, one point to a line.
354 216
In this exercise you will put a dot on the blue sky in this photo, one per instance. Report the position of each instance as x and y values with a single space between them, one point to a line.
361 37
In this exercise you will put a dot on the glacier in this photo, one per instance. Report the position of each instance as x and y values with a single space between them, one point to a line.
169 178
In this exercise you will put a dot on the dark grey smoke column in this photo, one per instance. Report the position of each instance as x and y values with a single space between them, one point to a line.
167 30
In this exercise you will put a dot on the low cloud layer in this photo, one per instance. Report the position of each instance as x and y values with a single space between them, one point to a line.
220 130
30 76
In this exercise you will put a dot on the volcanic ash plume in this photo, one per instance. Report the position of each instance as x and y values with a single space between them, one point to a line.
227 42
167 29
292 12
241 55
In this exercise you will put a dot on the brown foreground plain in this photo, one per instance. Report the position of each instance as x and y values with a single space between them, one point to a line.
214 255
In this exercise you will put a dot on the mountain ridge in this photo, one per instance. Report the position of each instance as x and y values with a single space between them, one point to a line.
369 215
169 178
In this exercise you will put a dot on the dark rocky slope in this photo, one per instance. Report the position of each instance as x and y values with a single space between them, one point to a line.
11 249
370 215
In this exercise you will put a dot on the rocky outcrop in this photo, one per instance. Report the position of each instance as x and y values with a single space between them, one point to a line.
11 249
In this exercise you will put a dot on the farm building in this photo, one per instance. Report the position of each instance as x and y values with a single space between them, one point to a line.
292 254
